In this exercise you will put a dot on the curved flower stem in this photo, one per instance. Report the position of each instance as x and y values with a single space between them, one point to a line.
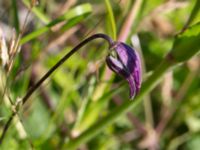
62 60
58 64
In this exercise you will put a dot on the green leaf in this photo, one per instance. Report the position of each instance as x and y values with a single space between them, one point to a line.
186 44
15 15
38 12
81 10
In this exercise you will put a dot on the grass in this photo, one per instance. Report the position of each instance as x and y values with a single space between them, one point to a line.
83 104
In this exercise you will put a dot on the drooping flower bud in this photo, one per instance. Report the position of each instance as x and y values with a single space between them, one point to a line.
127 64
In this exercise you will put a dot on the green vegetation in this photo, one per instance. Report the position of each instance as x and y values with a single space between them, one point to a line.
85 105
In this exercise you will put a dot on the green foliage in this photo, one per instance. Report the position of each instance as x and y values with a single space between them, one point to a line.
69 16
82 104
186 45
111 20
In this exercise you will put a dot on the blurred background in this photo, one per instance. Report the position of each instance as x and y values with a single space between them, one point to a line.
34 35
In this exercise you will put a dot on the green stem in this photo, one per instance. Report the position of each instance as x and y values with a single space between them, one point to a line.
111 18
147 86
192 16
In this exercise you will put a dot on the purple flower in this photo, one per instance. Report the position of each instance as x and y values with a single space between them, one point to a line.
126 64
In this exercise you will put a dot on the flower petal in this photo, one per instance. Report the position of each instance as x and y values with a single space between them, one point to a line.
128 65
116 66
132 87
119 69
130 58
